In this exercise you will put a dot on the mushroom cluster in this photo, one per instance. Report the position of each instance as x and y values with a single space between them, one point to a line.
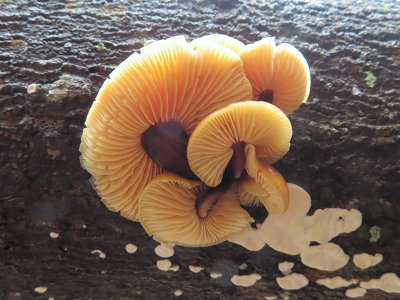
182 135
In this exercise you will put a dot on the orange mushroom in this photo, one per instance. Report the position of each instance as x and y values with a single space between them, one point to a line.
278 74
139 125
224 40
263 184
186 212
229 143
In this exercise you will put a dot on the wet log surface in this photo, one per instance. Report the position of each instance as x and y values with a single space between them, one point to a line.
345 149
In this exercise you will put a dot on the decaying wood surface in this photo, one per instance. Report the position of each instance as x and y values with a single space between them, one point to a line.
345 149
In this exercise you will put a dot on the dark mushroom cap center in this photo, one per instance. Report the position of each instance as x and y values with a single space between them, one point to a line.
166 144
237 163
266 96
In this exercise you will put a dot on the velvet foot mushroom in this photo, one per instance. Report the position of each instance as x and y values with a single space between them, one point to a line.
236 142
186 212
278 74
139 124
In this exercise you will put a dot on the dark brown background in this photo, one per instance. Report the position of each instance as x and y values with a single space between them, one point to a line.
345 149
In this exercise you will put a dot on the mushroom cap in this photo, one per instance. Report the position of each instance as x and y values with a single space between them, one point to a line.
168 81
281 70
168 212
222 39
261 124
265 184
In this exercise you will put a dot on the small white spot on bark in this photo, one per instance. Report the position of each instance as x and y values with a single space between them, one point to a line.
41 289
101 253
164 264
365 260
245 280
195 269
215 275
131 248
355 292
165 250
54 235
285 267
32 88
294 281
178 293
336 282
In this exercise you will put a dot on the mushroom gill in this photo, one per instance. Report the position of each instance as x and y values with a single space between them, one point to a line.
224 40
187 212
264 184
218 144
278 74
139 124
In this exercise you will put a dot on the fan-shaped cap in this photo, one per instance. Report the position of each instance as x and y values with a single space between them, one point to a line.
223 135
169 81
263 184
170 211
222 39
278 74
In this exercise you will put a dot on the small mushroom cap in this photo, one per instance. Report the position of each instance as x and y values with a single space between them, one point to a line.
264 182
168 212
251 122
281 70
222 39
168 81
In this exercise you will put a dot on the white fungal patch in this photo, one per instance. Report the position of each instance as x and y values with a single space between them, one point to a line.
389 283
40 289
365 260
195 269
326 257
293 231
166 265
178 293
355 292
215 275
286 267
174 268
165 250
131 248
245 280
336 282
294 281
100 253
54 235
32 88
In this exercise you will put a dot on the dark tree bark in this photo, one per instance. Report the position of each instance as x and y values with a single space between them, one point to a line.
345 150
